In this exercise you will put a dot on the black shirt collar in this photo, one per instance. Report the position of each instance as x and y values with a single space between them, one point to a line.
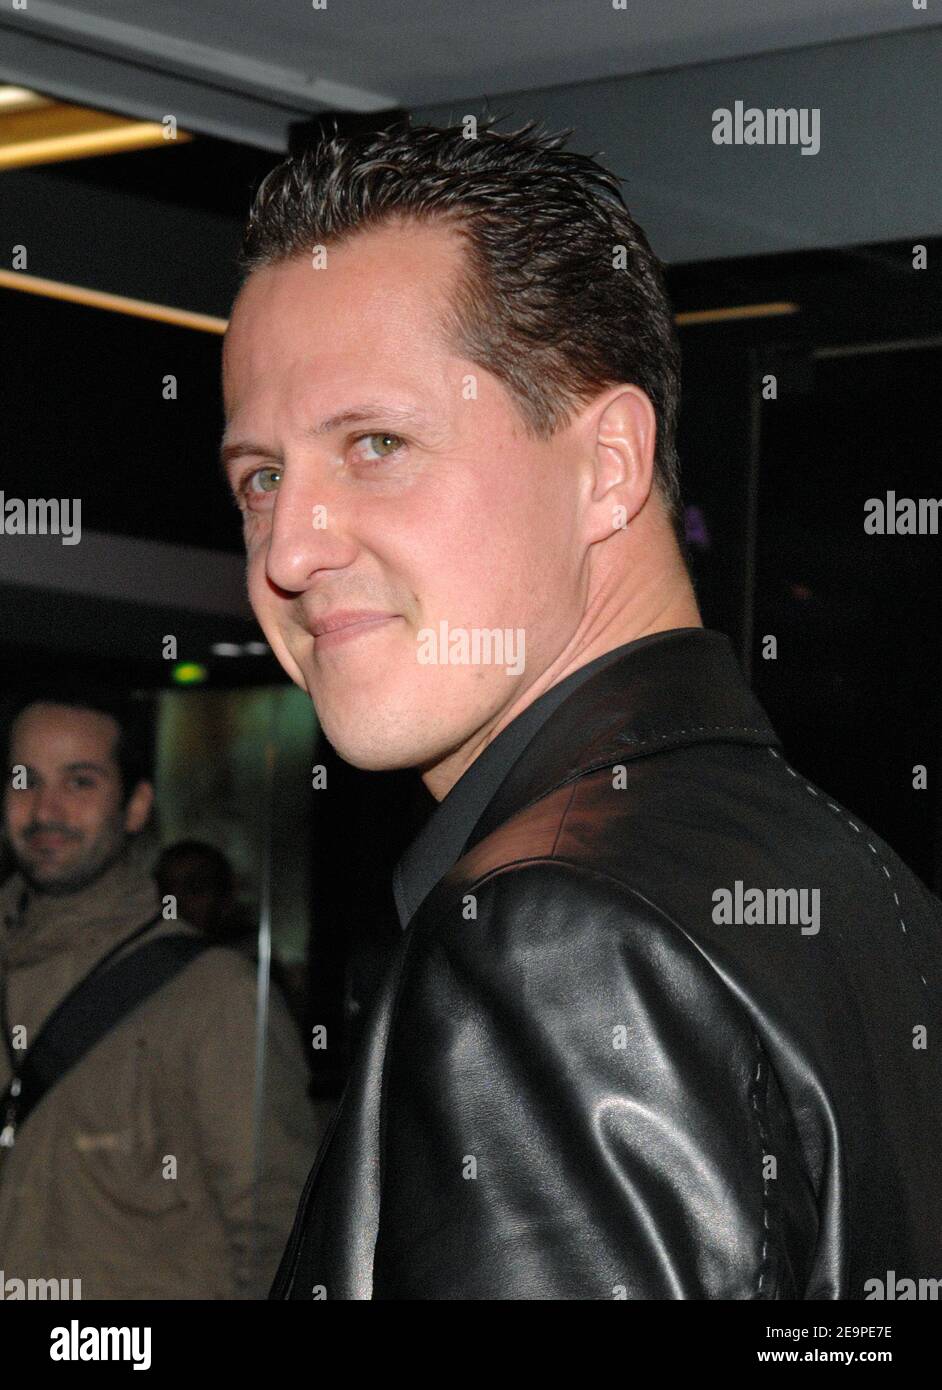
441 841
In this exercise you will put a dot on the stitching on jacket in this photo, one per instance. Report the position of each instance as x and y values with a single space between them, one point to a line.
695 729
759 1087
839 810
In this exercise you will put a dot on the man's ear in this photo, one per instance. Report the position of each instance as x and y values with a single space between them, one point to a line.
624 454
139 807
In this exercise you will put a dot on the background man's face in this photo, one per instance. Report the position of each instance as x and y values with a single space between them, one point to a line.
201 899
438 507
68 824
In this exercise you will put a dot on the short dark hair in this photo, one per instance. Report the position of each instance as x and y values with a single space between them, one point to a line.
215 865
562 294
133 750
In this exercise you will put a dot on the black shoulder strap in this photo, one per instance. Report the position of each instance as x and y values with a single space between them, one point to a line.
83 1018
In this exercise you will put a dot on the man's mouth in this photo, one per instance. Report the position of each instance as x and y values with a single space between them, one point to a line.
346 626
47 841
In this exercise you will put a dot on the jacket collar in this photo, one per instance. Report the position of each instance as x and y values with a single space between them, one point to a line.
36 925
672 690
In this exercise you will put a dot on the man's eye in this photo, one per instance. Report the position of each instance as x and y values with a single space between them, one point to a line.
261 482
381 446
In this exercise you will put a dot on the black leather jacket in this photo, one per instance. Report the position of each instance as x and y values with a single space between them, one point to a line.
581 1082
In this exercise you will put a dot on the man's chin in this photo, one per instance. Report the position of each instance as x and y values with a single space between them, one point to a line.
371 760
369 755
46 879
59 879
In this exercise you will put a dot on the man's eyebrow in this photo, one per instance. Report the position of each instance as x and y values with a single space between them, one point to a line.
356 415
239 449
361 414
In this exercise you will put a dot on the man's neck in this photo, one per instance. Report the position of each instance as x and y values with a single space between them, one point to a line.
678 613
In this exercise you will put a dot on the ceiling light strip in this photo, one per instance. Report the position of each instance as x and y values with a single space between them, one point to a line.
115 303
741 311
87 144
866 349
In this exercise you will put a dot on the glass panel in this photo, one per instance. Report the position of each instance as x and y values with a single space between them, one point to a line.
233 772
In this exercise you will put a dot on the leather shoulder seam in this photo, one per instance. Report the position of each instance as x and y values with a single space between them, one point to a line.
625 890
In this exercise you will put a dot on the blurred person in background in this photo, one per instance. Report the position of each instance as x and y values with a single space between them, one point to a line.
202 880
136 1171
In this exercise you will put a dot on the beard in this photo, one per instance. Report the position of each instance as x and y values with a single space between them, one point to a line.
76 873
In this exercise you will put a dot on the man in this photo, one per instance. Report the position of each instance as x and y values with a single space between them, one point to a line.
200 877
451 383
135 1173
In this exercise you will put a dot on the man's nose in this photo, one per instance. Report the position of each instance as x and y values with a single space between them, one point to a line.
308 534
47 808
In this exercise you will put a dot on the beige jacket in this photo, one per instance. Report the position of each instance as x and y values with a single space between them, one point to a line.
87 1191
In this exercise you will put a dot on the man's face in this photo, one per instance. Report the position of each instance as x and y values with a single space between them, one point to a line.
380 472
68 823
201 900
